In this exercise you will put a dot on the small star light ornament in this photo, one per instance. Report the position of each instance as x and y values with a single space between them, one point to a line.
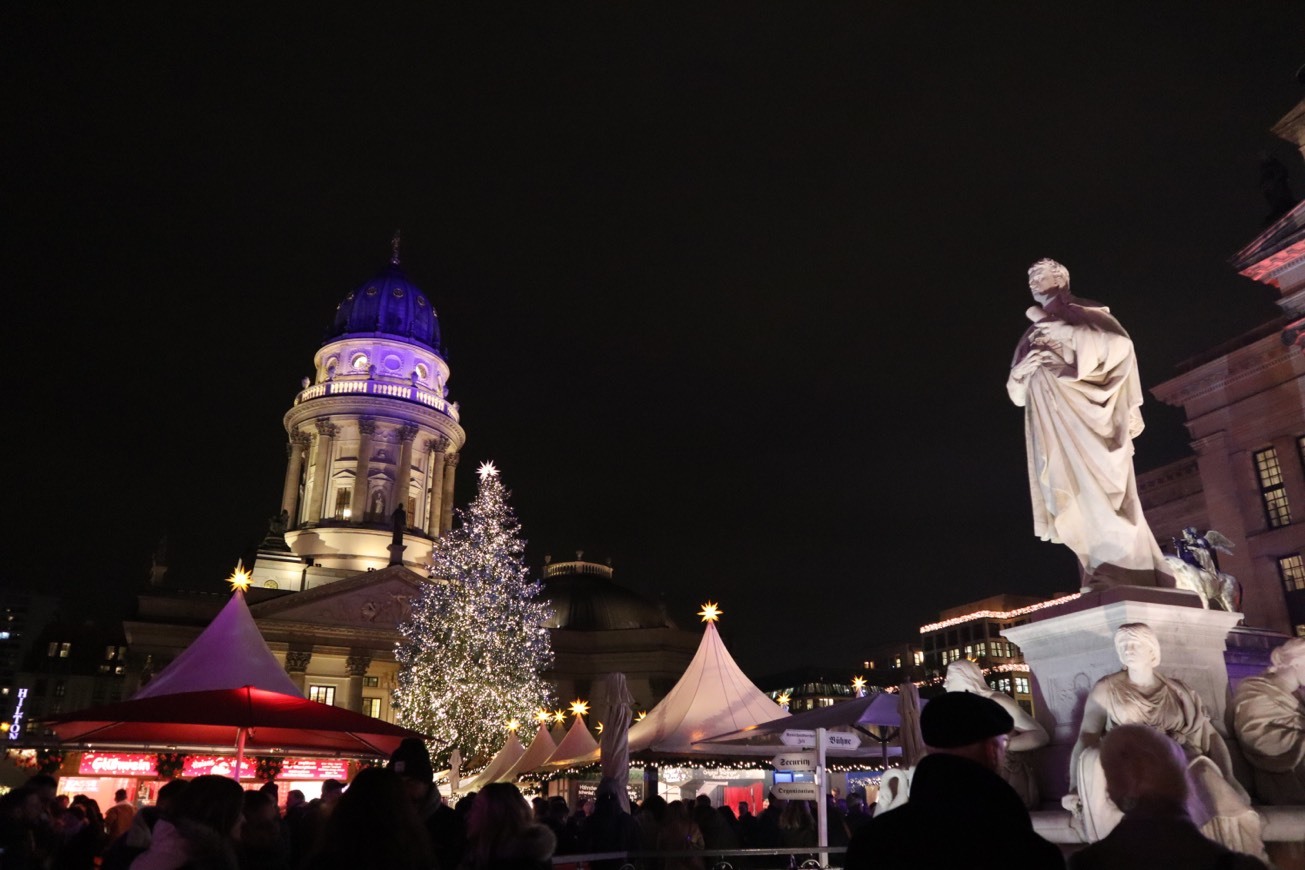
239 578
579 708
543 716
487 470
513 724
858 686
710 612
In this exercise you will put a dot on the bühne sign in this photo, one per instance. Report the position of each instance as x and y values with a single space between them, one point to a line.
807 738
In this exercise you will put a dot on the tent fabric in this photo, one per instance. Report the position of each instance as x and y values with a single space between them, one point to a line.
230 653
882 709
577 744
216 717
712 696
540 750
506 757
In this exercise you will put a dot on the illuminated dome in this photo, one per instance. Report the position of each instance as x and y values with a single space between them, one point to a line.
583 597
388 306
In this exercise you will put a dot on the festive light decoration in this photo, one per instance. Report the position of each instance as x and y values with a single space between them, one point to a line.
487 470
542 715
475 643
513 724
710 612
997 614
643 714
599 729
783 699
239 578
858 684
559 716
579 708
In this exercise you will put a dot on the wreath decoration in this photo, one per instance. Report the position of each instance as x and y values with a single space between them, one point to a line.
268 768
169 764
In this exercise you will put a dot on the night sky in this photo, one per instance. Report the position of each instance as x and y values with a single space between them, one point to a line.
729 291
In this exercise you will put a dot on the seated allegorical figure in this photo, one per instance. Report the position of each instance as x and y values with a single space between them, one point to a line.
1138 695
1269 719
1146 776
964 675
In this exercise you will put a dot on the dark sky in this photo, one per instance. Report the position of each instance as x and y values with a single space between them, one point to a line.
729 290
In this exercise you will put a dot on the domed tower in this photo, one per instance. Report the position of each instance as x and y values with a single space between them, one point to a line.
373 431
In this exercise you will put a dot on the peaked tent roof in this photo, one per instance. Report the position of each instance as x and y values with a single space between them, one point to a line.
578 743
880 709
229 654
507 756
541 749
712 697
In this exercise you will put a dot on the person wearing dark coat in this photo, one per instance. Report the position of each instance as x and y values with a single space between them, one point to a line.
445 827
961 813
1146 778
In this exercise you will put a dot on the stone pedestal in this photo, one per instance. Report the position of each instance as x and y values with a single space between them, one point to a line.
1071 646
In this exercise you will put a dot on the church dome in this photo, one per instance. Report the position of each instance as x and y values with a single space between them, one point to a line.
583 597
388 306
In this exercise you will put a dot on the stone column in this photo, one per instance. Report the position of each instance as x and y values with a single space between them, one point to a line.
294 470
358 504
446 500
403 474
435 483
356 666
296 665
326 431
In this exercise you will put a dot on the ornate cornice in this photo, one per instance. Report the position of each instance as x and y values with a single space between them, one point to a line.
1225 371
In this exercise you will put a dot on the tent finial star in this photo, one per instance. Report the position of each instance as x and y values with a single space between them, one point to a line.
239 578
710 612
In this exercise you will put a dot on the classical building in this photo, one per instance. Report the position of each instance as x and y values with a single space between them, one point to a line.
1245 408
373 444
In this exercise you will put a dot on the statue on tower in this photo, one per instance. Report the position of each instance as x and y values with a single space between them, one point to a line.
1075 375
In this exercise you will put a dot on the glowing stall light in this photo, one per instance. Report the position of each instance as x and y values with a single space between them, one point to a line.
239 578
998 614
858 686
783 699
643 714
579 707
710 612
559 715
543 716
513 725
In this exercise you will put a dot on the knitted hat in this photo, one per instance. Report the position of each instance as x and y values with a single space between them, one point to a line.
412 759
961 718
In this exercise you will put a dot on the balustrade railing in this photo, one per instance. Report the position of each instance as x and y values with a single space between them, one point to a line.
406 392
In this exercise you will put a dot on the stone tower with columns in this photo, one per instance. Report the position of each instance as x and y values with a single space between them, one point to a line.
372 432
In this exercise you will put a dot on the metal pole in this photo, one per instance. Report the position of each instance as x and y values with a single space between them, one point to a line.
822 803
240 754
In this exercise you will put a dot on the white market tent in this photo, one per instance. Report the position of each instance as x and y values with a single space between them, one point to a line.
229 654
578 743
511 752
540 750
712 697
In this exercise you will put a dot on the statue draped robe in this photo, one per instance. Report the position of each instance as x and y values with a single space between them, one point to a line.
1270 725
1081 413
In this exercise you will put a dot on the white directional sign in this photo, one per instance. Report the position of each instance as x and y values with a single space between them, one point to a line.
807 738
796 791
802 761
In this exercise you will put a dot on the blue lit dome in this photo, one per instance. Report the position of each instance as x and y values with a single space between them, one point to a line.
388 306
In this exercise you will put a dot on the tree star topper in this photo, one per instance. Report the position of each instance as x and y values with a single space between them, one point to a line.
239 578
710 612
487 470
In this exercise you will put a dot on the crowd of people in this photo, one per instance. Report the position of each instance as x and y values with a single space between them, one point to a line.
961 812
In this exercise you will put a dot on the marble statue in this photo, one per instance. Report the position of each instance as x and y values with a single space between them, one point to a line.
1075 375
964 675
1269 720
1138 695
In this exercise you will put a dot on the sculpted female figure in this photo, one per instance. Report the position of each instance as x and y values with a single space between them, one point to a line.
964 675
1138 695
1269 718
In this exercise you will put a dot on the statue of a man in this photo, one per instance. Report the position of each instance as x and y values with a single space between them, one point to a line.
1075 375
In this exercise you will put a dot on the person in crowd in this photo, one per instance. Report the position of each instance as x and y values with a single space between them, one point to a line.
20 814
797 827
445 827
679 833
118 819
1146 777
610 828
648 826
961 812
203 832
539 806
501 834
964 675
856 814
262 846
717 832
124 850
747 826
81 837
374 826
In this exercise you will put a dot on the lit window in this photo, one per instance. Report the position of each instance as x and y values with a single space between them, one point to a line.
64 649
322 694
897 662
359 361
918 658
60 689
109 651
371 682
412 507
1022 685
372 707
981 649
343 497
422 372
119 670
1292 569
1272 489
53 649
870 665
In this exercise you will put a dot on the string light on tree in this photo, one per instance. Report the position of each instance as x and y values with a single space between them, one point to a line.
475 644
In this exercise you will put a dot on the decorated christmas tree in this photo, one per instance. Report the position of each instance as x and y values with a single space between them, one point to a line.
475 644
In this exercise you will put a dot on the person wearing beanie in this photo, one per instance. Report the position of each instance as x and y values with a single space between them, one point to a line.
447 831
961 813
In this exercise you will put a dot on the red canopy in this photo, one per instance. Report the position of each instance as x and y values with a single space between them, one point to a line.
269 720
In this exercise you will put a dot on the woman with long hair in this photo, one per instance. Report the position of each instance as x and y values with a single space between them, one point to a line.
501 835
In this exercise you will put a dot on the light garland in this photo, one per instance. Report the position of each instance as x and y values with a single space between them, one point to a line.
998 614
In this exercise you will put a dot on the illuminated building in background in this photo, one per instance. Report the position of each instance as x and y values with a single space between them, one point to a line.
1245 408
891 664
